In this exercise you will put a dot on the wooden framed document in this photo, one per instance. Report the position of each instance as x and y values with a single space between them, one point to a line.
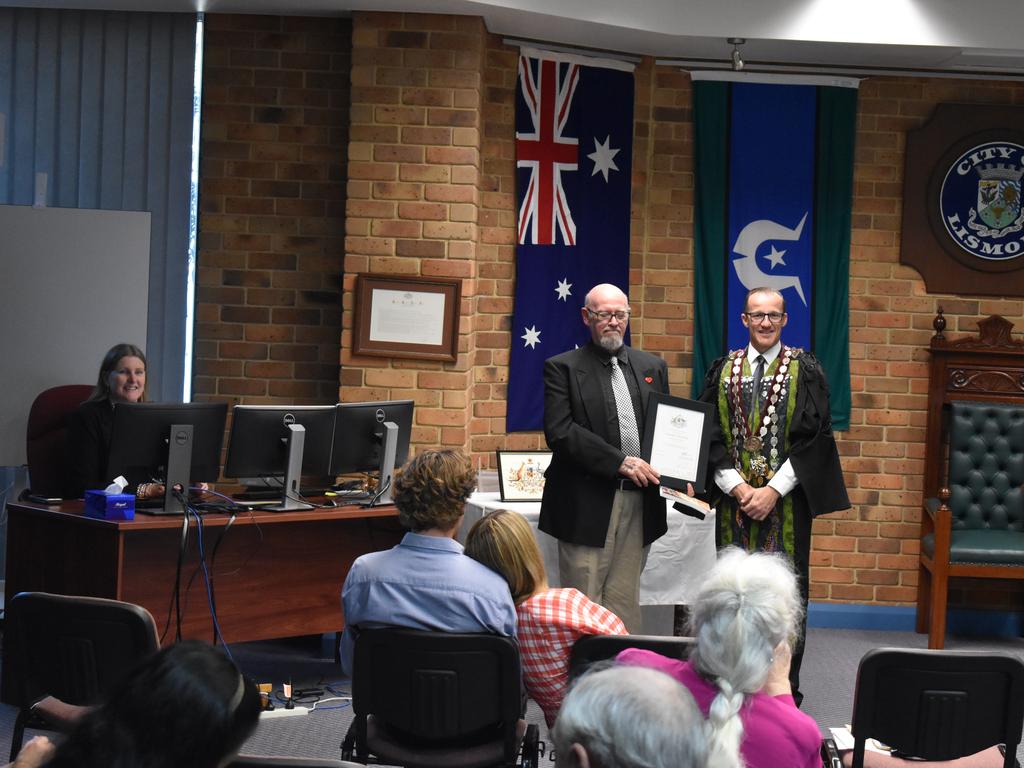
407 316
677 434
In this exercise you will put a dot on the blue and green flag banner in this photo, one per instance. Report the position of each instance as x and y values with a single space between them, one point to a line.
774 183
574 150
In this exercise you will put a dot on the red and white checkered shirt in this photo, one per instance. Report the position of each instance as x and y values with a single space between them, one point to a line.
548 624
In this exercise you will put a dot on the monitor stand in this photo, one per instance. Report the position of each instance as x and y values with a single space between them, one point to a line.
179 465
386 471
290 495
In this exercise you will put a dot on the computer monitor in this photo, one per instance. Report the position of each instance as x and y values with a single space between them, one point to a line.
372 437
283 442
178 443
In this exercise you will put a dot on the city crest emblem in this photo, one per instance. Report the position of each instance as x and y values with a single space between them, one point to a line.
998 196
980 201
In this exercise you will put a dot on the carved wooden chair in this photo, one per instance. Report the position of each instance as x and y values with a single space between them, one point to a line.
973 519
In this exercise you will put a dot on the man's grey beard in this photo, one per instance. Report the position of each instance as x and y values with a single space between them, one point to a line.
611 342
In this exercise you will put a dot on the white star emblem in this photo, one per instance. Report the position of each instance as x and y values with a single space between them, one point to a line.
563 289
603 157
531 337
775 258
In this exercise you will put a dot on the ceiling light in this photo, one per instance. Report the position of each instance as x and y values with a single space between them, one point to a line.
737 60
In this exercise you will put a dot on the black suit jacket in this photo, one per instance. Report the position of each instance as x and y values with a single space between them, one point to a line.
580 482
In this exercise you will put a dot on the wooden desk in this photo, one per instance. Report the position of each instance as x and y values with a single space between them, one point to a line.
277 574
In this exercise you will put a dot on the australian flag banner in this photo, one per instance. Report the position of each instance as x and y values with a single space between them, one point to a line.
574 146
774 180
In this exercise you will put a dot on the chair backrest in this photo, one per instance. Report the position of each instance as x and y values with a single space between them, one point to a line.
593 648
986 466
74 648
46 436
438 689
252 761
938 705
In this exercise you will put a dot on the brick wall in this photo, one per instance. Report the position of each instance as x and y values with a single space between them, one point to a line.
272 197
430 192
868 554
413 200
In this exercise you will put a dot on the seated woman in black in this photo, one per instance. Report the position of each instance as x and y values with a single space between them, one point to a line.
122 379
187 705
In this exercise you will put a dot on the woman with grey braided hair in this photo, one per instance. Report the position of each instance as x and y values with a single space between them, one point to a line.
745 619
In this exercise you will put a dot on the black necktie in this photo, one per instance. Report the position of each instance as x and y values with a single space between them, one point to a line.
758 373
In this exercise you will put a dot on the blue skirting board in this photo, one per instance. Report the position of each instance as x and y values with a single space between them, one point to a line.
959 621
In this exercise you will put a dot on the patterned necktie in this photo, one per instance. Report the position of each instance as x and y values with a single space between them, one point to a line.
629 435
758 373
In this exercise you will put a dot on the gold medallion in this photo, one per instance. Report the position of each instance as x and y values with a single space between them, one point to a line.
752 443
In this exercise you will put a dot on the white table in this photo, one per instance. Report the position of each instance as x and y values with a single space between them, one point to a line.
675 566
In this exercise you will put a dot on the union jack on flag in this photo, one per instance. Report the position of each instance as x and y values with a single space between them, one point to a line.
546 151
574 136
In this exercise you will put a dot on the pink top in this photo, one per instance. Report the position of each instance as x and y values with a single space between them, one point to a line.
775 732
547 626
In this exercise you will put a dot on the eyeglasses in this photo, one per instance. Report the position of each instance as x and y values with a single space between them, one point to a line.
622 315
773 317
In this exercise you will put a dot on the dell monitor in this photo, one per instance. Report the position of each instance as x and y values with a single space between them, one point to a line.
283 442
177 443
372 437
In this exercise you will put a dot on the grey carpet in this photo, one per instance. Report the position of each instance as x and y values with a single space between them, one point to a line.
828 676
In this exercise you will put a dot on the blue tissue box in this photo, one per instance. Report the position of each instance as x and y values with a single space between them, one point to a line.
117 506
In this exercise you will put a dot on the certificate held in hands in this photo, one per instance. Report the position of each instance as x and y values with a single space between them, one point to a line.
676 439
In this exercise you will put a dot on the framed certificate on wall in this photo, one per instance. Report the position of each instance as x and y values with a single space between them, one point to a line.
407 316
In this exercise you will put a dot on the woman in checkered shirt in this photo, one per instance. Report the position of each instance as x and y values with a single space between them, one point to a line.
549 620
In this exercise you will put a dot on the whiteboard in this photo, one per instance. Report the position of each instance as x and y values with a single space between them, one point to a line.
73 283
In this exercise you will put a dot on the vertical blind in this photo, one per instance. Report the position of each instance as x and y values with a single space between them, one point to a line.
102 103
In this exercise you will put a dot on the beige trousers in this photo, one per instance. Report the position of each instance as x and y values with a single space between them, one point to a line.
610 575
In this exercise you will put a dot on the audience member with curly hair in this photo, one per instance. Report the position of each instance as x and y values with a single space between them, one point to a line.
426 582
549 620
745 618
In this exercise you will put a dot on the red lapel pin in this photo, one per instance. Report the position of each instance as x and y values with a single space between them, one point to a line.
649 379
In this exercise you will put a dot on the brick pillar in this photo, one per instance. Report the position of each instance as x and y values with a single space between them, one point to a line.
414 170
275 132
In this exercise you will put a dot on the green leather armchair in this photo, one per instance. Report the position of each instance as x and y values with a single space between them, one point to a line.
975 528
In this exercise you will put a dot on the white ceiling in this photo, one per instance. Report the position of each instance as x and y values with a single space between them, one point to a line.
984 37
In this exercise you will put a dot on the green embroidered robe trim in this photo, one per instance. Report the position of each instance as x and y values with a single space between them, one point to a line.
775 533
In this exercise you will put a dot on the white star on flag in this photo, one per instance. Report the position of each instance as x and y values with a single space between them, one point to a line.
603 157
531 337
775 257
563 289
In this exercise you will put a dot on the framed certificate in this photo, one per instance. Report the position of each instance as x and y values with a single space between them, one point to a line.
521 474
407 316
677 435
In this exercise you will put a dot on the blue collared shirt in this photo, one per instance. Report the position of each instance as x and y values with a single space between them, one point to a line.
426 582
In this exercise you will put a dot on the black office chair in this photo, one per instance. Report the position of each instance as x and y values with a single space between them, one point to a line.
62 652
438 700
252 761
938 705
593 648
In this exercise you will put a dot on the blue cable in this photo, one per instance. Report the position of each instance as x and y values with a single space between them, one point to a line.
206 580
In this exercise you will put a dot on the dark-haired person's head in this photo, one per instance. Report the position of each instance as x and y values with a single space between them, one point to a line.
187 705
432 488
122 377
